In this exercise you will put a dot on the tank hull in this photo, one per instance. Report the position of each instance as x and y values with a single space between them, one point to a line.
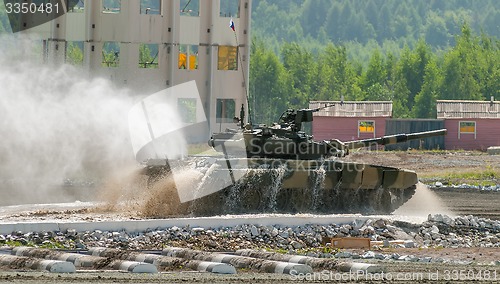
257 185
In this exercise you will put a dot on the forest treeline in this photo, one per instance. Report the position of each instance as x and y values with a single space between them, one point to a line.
414 80
387 23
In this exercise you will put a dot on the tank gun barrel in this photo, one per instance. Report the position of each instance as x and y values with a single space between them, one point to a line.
393 139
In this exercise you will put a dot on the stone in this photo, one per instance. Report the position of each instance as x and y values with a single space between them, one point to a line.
380 223
254 231
438 184
409 244
434 230
402 257
198 230
343 254
71 233
425 259
296 245
368 254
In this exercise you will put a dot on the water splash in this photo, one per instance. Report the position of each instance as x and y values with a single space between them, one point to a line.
277 175
318 185
423 203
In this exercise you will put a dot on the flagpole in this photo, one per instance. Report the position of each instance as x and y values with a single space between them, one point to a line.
231 25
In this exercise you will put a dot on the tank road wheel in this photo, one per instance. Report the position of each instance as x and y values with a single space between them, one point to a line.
283 203
392 199
251 200
301 200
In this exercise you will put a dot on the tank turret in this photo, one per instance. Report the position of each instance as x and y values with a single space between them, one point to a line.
286 140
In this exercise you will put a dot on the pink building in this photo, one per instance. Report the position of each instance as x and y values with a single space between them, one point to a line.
472 125
350 120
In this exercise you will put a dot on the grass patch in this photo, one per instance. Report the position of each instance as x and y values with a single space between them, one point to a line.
486 177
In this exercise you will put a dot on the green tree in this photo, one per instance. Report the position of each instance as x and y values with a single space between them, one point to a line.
460 69
270 87
74 54
300 65
425 101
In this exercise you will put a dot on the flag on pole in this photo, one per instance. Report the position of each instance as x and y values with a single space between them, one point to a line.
231 24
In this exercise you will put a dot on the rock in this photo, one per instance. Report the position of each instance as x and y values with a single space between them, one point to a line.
380 223
425 259
402 257
254 231
296 245
197 230
274 232
368 254
81 246
412 258
345 229
434 230
343 254
409 244
438 184
71 233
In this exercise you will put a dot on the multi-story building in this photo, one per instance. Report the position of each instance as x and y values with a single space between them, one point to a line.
151 45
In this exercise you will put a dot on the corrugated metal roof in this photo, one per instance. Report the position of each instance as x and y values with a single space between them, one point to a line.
353 108
467 109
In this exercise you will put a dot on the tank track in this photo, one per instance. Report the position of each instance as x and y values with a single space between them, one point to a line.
239 200
328 187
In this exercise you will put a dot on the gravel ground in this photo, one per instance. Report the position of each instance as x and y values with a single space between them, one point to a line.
400 273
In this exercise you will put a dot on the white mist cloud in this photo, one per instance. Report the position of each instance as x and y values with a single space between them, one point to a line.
56 123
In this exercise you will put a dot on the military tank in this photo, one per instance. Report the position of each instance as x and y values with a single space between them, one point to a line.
281 169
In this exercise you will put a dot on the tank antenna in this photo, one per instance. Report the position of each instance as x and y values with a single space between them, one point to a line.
231 25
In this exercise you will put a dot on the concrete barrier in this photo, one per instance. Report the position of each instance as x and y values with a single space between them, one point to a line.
262 265
356 267
86 261
164 261
22 262
494 150
314 262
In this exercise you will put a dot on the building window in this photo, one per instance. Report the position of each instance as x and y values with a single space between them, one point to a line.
188 57
111 6
187 110
190 8
366 126
110 54
148 56
74 52
151 7
229 8
226 110
466 127
227 58
75 6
